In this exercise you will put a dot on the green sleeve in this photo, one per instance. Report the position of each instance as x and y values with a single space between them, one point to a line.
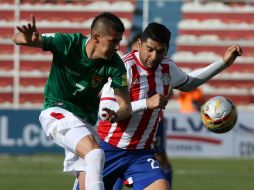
119 77
57 42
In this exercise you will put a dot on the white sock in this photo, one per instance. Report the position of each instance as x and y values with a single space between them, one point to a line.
94 162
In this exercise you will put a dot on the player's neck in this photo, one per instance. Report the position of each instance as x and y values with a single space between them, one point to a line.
90 49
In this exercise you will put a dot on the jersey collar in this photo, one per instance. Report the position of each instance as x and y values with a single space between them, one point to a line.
136 54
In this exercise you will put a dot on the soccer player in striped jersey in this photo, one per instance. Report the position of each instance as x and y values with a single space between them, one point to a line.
159 145
80 68
128 143
151 75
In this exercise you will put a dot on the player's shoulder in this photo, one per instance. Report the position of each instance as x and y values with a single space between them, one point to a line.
60 34
115 65
129 57
72 37
76 37
116 59
68 38
168 61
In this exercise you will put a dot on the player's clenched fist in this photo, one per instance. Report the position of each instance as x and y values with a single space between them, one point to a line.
157 101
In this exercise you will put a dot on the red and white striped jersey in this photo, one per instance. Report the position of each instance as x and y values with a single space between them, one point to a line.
138 131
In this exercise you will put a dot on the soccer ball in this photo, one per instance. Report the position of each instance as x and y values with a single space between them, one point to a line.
219 114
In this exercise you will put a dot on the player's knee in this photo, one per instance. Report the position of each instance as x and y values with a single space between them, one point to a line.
95 154
86 145
95 157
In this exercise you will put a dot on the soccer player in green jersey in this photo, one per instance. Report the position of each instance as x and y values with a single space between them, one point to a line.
80 67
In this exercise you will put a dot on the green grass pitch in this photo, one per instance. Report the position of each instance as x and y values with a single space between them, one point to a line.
44 172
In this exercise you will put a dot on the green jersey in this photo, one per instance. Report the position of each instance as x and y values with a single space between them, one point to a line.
75 81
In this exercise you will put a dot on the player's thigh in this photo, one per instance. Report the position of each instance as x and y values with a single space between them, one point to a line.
86 144
161 184
80 140
144 170
67 130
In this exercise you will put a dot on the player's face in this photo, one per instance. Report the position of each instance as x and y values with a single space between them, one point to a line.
152 53
109 44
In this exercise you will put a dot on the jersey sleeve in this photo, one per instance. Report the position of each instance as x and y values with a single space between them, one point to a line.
178 76
119 77
57 42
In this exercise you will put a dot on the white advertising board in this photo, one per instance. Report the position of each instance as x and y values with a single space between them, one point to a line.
187 137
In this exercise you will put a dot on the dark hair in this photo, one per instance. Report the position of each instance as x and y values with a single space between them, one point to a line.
156 32
110 20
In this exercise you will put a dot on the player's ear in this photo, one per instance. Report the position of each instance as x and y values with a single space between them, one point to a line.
96 37
139 43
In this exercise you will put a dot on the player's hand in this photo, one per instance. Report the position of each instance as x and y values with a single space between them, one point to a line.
109 115
231 54
157 101
29 31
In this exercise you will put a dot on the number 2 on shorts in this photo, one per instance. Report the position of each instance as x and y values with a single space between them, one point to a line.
154 163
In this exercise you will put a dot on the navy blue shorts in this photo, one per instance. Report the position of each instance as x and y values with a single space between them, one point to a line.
138 167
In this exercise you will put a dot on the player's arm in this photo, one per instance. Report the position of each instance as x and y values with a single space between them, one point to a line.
122 97
28 35
200 76
157 101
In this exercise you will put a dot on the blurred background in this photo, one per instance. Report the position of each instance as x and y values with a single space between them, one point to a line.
201 32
